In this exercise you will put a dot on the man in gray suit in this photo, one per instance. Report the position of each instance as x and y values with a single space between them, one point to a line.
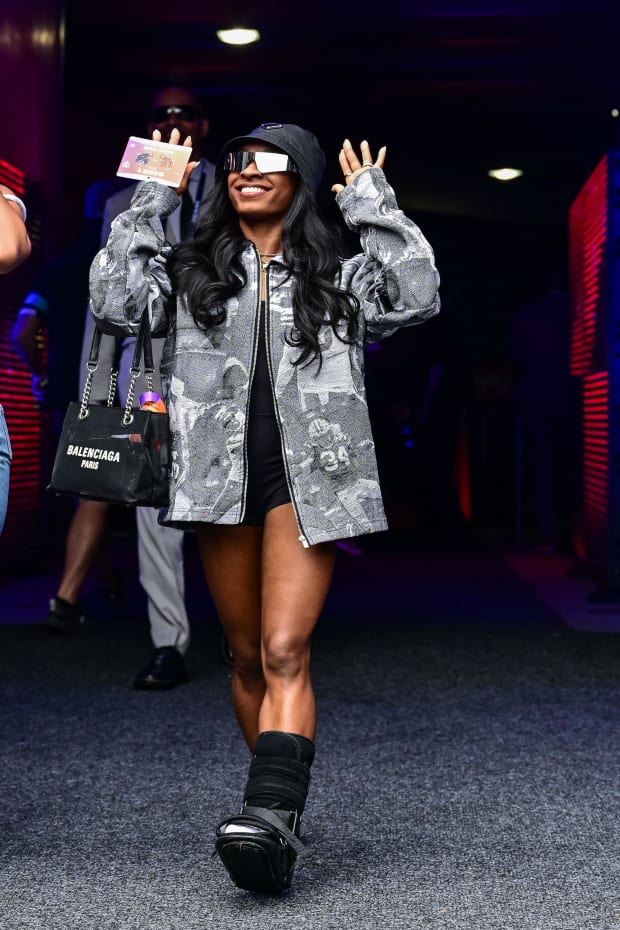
160 549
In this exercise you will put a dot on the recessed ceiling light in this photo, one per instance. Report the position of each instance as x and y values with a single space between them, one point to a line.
238 36
505 174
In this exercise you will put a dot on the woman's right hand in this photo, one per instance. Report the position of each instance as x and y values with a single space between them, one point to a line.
175 135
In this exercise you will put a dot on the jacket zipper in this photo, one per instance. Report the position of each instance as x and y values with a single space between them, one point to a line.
255 338
302 536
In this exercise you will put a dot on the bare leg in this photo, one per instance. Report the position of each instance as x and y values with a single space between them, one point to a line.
230 558
84 538
268 591
295 584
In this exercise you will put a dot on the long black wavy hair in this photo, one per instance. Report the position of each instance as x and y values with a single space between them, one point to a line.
208 270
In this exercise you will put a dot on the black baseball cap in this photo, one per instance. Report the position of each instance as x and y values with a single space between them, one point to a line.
300 144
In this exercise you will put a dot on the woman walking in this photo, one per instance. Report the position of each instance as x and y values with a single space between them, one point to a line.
272 451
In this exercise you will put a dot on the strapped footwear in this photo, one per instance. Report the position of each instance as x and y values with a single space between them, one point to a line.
259 848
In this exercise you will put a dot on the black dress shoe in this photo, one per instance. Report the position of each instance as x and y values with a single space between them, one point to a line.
165 670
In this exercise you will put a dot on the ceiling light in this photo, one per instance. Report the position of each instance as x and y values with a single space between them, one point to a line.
238 36
615 112
505 174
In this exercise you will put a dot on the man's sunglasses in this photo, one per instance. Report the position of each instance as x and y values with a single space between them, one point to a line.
185 114
266 162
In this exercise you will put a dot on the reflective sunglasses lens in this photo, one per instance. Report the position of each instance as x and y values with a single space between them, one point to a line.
237 161
272 161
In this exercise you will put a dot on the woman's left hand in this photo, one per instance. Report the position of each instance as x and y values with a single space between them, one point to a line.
352 165
175 135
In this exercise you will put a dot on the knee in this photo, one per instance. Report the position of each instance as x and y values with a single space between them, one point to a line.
285 656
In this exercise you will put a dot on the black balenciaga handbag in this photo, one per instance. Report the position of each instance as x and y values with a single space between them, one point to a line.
118 455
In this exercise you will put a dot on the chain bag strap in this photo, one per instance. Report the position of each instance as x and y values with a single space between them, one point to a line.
98 456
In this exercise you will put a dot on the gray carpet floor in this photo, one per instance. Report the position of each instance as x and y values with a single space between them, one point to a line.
466 775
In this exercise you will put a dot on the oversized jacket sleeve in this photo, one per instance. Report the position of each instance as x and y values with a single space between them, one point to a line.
129 272
395 278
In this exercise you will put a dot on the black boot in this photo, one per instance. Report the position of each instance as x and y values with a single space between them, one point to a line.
259 846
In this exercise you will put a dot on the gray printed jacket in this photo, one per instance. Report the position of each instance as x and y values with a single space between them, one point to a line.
327 442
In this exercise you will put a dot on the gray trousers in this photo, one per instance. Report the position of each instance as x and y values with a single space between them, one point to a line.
160 548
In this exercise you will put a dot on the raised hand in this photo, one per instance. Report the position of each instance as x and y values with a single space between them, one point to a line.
175 135
352 165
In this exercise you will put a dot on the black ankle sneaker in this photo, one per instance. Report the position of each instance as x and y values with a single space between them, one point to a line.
63 618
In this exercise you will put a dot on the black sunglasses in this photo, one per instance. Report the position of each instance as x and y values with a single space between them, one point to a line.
266 162
184 113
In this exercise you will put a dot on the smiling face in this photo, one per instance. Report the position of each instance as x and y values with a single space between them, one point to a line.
256 196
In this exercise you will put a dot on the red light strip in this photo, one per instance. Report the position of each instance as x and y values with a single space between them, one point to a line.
596 451
588 228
